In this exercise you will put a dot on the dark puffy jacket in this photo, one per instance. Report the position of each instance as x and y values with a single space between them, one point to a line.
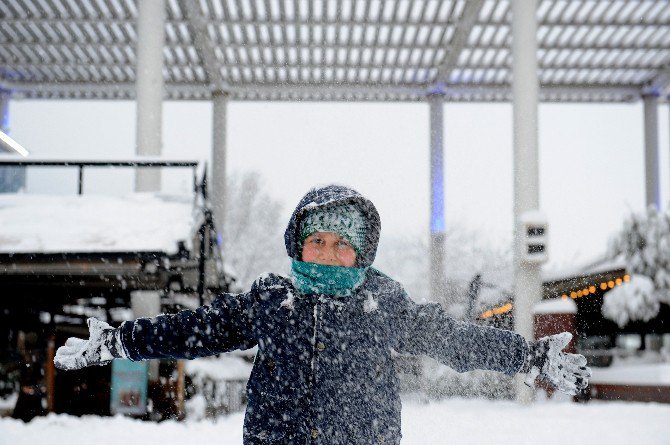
323 372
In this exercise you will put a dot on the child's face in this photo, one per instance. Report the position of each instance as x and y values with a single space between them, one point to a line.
329 249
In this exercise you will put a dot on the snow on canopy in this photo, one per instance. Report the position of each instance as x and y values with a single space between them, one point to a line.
148 222
601 264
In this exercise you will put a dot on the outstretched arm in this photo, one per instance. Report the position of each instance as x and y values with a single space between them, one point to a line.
224 326
427 329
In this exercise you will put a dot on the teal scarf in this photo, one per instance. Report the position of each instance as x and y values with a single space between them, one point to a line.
312 278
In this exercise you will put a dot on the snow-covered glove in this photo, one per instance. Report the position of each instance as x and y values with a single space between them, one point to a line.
547 361
103 346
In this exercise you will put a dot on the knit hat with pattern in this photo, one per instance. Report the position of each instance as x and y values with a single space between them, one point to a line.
344 219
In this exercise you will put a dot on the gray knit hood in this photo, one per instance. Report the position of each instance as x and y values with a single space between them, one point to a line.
334 195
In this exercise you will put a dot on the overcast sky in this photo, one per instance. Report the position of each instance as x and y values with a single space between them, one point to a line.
591 158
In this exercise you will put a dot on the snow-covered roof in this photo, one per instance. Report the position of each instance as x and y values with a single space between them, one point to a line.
601 264
555 306
491 297
534 217
138 222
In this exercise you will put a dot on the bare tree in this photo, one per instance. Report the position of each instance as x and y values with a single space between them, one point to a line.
468 253
253 232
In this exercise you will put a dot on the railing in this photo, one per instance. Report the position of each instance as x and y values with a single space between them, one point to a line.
221 396
82 164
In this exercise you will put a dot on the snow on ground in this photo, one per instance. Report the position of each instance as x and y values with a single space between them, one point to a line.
7 404
653 374
94 223
449 422
226 367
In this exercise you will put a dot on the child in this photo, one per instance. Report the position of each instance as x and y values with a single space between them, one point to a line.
323 372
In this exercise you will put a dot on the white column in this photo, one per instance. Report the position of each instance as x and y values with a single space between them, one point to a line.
651 154
525 87
218 183
437 221
149 89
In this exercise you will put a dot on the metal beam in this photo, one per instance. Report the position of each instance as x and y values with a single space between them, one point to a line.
203 44
660 83
459 39
632 22
335 91
87 43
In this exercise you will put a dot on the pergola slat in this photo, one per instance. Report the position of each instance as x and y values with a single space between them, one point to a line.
251 51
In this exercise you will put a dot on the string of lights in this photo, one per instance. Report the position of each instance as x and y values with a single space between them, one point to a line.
574 294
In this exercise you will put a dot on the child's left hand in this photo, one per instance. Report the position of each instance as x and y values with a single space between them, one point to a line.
546 360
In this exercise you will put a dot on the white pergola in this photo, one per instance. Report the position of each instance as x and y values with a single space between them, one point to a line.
375 50
429 51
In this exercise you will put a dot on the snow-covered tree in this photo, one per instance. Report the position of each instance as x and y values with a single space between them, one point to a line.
253 231
634 300
644 242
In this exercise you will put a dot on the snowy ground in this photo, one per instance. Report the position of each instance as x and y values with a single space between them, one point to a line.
450 422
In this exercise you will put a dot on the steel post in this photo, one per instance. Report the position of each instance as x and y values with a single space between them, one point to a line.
218 190
525 89
437 221
651 152
149 89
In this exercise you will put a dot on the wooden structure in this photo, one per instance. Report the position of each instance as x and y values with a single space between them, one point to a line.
52 295
595 336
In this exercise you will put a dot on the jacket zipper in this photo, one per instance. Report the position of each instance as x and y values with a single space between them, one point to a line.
312 380
316 322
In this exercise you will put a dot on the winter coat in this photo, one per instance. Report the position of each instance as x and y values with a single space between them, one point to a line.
324 373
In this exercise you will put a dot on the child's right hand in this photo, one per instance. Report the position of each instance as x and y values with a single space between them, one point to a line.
101 348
